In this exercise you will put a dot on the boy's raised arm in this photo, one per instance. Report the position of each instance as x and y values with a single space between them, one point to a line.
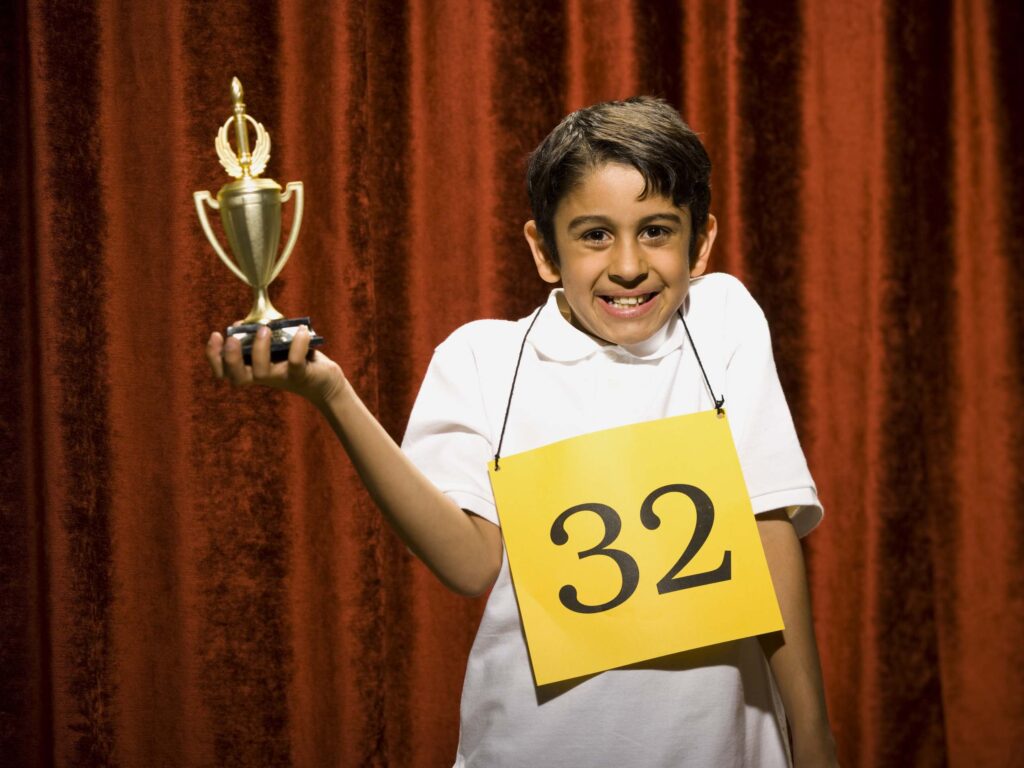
463 550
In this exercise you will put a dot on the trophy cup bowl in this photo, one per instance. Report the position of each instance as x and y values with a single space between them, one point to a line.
250 212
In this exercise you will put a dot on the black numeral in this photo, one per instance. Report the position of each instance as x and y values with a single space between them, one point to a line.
627 565
705 519
628 568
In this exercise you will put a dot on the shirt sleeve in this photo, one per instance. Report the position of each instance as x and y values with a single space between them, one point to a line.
448 435
774 466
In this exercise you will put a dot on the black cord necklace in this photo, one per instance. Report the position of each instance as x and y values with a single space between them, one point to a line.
719 401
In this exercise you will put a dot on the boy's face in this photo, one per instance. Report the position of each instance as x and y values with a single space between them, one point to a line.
624 262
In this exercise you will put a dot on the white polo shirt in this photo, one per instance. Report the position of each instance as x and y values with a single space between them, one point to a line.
715 706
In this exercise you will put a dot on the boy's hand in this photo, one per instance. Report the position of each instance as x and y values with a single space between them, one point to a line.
317 379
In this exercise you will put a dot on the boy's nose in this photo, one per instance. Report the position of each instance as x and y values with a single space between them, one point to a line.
628 266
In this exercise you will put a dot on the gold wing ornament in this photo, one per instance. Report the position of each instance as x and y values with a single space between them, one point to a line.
260 153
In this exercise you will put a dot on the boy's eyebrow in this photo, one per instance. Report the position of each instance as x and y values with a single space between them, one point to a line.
588 220
591 219
675 218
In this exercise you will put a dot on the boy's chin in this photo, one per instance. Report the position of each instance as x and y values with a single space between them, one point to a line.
620 333
628 340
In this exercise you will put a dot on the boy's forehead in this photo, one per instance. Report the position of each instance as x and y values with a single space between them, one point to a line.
614 186
614 199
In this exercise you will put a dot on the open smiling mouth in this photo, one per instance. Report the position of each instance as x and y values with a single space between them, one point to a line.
628 301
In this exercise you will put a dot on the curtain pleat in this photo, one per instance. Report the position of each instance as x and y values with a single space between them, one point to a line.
25 705
73 290
192 575
979 555
916 407
843 202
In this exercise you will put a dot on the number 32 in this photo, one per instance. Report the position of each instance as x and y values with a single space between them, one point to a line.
628 568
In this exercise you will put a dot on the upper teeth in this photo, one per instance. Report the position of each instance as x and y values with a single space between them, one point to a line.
627 301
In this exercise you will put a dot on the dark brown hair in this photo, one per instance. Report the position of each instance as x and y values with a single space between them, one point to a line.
644 132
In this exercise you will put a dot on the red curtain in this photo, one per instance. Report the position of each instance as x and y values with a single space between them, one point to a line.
192 575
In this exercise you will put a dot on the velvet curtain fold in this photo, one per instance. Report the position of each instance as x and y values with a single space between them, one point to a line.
192 575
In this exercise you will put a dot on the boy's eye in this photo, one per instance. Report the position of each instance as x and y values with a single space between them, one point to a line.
596 236
656 231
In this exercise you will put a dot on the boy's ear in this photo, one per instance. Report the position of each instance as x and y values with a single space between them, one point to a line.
704 244
546 268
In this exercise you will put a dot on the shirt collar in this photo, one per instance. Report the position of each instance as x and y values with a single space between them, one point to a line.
556 339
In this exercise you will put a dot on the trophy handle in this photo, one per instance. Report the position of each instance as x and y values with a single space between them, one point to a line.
206 197
296 187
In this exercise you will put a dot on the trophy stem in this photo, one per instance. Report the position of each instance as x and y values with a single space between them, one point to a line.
262 310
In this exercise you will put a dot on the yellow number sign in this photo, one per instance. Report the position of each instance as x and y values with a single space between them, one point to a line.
632 543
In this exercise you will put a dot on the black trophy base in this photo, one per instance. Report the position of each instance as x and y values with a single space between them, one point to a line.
281 334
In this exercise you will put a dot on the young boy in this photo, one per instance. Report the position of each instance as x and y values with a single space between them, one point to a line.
620 196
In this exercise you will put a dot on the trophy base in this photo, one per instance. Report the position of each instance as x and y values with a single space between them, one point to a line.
281 334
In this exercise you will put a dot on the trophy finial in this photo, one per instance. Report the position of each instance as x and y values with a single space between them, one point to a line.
241 129
240 162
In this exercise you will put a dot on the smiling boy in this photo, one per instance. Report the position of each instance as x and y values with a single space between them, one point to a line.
623 256
620 195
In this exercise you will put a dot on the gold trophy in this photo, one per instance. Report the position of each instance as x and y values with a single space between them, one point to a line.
250 210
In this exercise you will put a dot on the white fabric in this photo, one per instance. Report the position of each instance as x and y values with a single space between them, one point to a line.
711 707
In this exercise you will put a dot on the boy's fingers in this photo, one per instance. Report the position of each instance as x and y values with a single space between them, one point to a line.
297 354
214 349
261 354
234 368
